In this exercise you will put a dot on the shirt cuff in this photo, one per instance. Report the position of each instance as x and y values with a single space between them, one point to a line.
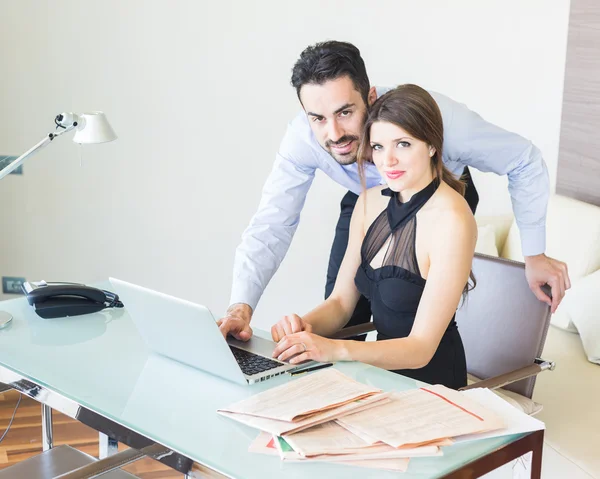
533 240
244 291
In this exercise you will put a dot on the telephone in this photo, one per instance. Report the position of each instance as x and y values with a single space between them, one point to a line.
57 300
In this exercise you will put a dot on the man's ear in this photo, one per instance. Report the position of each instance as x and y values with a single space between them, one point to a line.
372 97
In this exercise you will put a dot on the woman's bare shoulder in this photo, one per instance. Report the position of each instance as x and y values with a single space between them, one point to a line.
376 202
372 203
450 210
373 199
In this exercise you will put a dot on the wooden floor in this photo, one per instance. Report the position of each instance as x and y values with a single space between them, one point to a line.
25 437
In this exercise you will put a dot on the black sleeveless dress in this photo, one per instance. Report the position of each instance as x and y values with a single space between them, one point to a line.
395 288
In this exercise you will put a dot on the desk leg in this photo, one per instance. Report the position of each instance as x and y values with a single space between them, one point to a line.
107 446
536 459
533 442
46 427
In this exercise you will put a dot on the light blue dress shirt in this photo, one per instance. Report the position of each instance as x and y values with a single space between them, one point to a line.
468 141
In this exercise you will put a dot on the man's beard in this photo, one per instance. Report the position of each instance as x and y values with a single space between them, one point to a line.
348 158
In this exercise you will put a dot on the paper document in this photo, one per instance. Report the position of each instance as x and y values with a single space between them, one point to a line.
267 444
300 398
278 428
364 436
264 444
327 438
370 440
517 422
332 439
421 415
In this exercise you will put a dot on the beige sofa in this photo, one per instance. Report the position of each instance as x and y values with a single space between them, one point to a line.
570 393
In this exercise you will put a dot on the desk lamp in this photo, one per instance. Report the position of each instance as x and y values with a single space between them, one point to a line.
89 128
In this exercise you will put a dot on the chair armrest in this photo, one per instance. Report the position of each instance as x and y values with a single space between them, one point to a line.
513 376
357 330
116 461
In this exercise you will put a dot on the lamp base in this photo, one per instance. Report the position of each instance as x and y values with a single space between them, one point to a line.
5 319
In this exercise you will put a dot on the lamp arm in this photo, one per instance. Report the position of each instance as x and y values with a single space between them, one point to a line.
47 139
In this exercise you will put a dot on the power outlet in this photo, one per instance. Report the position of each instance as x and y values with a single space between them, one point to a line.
6 159
12 285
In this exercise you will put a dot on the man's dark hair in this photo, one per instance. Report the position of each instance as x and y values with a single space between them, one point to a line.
328 61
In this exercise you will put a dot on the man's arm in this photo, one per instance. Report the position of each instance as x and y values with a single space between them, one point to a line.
472 141
266 240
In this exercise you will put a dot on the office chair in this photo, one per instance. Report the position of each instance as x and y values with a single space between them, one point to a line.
503 327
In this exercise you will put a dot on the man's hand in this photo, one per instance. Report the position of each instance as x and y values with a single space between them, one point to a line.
237 322
540 270
289 325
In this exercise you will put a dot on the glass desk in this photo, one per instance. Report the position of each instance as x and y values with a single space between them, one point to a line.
96 369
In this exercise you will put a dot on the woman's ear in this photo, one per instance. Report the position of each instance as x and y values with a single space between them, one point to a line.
431 151
372 97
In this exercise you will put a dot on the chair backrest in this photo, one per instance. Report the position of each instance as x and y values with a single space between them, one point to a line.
502 324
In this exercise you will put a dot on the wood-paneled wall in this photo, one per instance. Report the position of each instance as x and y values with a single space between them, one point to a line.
578 174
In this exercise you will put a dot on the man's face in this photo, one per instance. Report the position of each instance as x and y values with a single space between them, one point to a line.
336 113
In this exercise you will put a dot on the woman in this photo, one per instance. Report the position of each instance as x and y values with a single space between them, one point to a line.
409 252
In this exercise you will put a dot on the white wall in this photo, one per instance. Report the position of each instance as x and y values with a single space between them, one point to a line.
199 95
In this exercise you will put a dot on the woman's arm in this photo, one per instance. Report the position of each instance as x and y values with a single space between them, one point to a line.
331 315
451 257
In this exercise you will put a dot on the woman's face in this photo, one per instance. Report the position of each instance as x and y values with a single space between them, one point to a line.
402 161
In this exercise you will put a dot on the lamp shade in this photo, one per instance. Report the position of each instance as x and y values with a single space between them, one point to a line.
93 127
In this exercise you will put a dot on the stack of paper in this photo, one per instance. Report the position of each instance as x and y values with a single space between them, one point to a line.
277 446
303 403
328 416
301 415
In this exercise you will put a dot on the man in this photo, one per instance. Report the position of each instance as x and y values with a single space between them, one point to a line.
333 88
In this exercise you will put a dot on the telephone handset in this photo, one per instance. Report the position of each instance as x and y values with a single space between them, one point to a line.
57 300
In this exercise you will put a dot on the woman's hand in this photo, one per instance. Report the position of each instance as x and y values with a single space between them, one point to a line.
290 324
305 346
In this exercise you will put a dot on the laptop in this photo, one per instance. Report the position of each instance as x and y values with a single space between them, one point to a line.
188 333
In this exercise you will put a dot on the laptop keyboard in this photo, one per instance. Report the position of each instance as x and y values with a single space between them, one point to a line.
251 363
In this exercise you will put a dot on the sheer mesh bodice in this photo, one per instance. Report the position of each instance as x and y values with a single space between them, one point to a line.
390 240
390 278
